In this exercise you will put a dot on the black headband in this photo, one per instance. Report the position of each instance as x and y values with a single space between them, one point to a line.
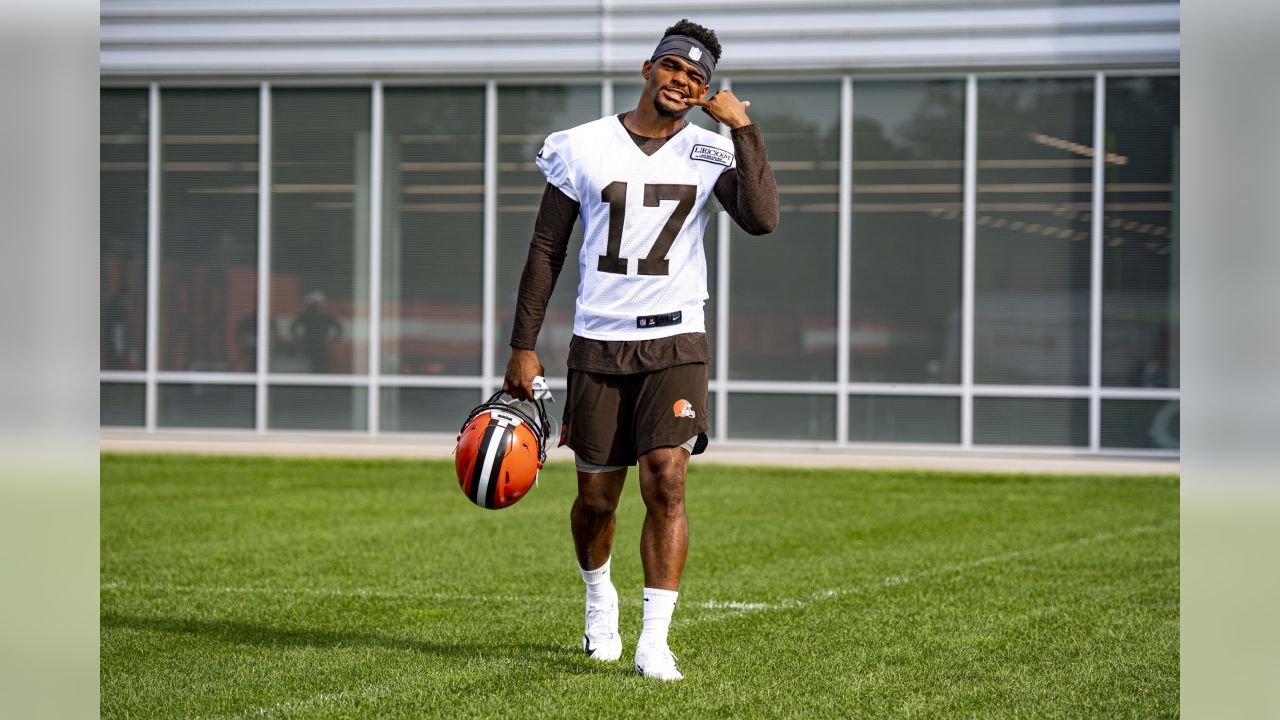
687 48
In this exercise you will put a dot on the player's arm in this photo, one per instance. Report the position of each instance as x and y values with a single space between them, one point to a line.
749 192
547 251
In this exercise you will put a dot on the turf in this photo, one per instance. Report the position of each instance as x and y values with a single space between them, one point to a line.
251 587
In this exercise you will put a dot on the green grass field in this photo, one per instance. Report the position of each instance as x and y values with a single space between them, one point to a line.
250 587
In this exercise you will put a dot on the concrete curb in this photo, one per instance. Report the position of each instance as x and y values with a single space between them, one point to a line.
441 446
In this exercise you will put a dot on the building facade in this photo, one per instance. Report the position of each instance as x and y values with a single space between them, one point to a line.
315 214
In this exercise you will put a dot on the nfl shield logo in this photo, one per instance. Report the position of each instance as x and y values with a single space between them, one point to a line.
694 53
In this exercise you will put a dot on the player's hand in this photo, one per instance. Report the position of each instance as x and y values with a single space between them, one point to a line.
724 107
522 368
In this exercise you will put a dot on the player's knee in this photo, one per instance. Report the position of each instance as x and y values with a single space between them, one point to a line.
664 487
598 505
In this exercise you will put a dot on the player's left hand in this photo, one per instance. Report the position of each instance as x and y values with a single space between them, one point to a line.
724 107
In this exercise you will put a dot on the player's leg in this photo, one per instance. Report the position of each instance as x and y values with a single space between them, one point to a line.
593 517
593 521
671 415
664 539
664 543
590 426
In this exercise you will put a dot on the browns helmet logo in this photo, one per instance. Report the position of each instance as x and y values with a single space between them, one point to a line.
683 408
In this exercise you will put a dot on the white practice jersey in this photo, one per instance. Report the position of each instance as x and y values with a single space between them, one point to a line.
643 269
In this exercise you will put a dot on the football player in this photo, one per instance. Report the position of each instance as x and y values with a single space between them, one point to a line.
644 183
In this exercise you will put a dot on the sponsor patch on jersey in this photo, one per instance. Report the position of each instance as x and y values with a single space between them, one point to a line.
706 153
662 320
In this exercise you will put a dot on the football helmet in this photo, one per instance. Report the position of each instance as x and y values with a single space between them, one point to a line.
501 448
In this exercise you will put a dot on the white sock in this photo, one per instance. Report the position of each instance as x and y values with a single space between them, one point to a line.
658 607
599 586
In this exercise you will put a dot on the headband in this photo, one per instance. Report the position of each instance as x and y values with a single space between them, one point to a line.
687 48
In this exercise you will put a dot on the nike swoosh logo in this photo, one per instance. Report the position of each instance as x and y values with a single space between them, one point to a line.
587 642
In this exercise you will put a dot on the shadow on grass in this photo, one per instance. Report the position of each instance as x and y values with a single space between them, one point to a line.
242 633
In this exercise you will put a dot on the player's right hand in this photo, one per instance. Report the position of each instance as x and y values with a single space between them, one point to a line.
522 368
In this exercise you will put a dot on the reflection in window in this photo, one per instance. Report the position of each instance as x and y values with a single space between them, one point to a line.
209 230
1040 422
121 404
526 115
908 194
782 417
1140 226
420 409
319 231
328 407
206 406
1141 424
904 418
122 236
782 304
432 231
1032 269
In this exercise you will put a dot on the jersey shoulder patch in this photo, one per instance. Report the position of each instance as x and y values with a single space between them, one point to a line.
706 153
709 147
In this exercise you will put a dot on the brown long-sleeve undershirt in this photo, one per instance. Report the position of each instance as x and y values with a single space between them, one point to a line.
748 193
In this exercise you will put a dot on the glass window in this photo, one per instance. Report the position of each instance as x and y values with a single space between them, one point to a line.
908 194
1042 422
206 406
1144 424
782 304
209 230
1032 270
123 119
415 409
317 407
777 416
319 230
526 116
904 418
1140 225
432 231
122 404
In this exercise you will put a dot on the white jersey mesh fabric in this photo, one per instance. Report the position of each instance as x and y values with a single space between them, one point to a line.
643 218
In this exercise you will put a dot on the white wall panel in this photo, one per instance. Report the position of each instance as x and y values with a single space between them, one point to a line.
504 37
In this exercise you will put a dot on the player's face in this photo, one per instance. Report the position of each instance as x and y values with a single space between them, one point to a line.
669 81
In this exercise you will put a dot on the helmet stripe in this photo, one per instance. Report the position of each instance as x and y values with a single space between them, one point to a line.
477 469
502 443
480 485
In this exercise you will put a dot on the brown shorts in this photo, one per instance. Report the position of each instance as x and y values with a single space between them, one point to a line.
614 419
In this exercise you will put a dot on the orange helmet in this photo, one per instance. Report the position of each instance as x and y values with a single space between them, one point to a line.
500 450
